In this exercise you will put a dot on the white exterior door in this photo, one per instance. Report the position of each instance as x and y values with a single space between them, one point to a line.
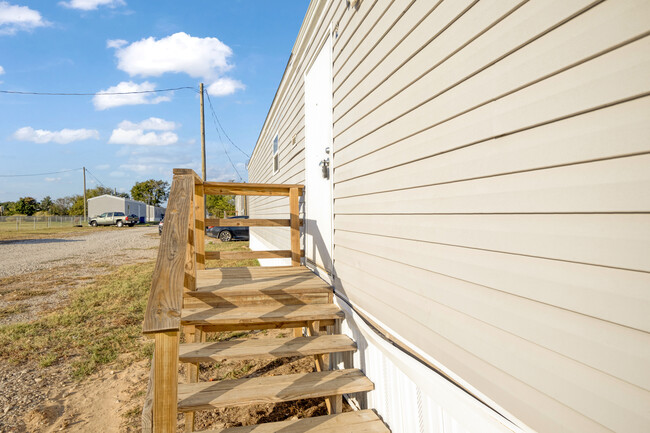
318 156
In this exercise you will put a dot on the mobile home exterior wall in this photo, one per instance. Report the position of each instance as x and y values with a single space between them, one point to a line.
491 169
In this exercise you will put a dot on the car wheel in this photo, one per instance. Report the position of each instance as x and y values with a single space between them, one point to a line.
93 223
120 223
225 236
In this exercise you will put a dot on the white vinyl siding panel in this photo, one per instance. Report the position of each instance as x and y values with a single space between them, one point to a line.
491 172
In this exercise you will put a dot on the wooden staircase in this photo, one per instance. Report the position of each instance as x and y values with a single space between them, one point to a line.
189 298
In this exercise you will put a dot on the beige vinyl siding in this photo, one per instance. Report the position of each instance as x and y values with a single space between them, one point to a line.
491 206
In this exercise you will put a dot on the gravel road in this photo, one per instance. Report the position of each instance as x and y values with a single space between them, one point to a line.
119 246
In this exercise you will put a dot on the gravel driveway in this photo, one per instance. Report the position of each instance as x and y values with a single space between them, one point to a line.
119 246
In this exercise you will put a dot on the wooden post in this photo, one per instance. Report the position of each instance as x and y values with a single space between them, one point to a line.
334 403
294 211
165 382
192 335
199 227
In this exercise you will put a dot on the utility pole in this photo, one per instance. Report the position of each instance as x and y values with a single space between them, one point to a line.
202 136
85 215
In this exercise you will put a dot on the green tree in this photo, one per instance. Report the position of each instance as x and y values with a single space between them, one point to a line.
9 208
62 205
217 204
151 191
46 204
27 206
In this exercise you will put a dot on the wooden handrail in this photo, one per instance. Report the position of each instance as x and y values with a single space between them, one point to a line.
166 296
231 188
242 255
251 222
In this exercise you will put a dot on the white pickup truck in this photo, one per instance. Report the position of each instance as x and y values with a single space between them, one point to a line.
113 219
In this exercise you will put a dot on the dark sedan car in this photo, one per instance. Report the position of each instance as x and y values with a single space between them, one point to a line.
229 233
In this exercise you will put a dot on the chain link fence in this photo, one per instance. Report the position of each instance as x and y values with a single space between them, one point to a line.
18 223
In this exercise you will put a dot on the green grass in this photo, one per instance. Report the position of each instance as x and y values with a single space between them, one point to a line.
216 245
102 321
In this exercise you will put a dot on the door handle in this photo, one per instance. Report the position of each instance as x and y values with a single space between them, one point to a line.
325 167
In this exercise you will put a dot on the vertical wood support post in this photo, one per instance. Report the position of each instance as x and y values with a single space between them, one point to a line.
165 382
195 240
334 403
199 227
294 210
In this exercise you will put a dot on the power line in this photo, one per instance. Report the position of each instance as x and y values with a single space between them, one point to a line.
224 131
15 92
95 177
40 174
214 117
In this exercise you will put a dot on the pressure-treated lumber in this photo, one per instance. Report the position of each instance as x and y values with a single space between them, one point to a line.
265 348
279 297
165 298
231 188
260 314
199 225
253 272
270 389
363 421
243 255
267 325
165 364
251 222
294 210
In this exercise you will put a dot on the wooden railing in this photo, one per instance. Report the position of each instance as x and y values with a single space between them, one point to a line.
181 254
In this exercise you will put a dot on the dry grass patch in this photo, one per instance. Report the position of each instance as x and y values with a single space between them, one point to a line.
101 321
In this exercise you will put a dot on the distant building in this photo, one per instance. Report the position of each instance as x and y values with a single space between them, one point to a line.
111 203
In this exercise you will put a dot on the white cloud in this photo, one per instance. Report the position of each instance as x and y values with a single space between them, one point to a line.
224 86
116 43
2 70
205 58
52 179
140 138
90 5
102 102
117 174
152 123
103 166
63 136
14 18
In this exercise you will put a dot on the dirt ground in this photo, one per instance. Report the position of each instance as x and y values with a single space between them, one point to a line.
44 399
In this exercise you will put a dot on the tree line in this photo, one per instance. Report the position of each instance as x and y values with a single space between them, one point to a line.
154 192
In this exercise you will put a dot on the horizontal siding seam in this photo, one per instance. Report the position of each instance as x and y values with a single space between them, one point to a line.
489 176
504 371
483 68
494 251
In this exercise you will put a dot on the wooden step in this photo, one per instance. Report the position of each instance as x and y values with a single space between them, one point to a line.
363 421
256 272
260 316
270 389
265 348
244 295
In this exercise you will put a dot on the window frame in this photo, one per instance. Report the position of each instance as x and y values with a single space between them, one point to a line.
275 153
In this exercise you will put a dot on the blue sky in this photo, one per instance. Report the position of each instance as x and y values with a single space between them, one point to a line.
239 49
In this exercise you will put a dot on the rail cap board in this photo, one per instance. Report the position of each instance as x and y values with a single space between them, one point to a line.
251 222
217 188
165 302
